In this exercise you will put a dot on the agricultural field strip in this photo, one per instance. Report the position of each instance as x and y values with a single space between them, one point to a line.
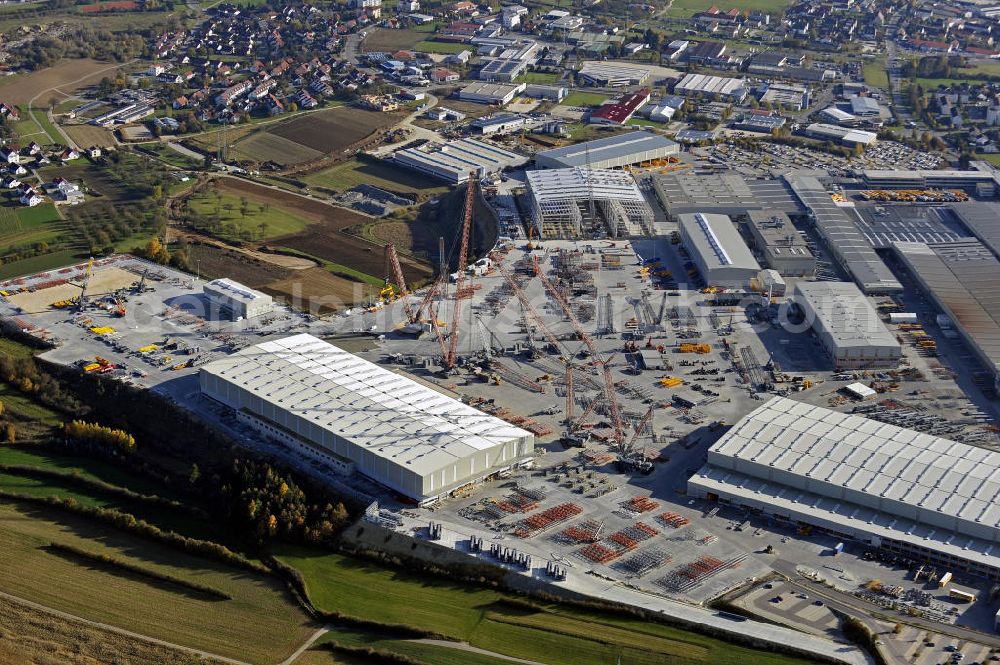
114 629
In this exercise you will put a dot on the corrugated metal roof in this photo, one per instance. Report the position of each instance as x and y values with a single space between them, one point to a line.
844 237
867 456
952 489
390 415
963 280
717 242
610 148
845 314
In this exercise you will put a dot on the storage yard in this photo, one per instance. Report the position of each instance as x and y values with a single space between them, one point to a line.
142 323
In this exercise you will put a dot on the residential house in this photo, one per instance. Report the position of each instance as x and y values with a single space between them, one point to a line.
10 154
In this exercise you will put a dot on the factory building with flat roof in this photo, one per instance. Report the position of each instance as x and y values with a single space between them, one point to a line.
609 75
961 278
453 161
355 416
779 243
927 498
610 152
235 301
980 181
723 193
717 249
842 135
498 94
560 202
847 325
980 219
843 238
721 87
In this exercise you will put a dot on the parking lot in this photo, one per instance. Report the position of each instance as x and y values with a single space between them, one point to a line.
775 159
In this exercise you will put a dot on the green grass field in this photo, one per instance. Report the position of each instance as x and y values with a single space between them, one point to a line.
168 156
15 349
991 157
261 624
932 84
39 215
394 40
688 8
558 635
352 173
22 407
20 226
584 99
166 517
440 47
48 458
278 221
991 68
544 78
875 74
41 263
27 129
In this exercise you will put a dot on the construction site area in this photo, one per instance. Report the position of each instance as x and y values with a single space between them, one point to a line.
623 364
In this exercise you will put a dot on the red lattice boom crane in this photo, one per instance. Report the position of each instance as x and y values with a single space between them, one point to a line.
397 270
463 254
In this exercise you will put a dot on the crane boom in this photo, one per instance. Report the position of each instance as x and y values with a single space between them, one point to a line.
82 299
437 330
463 253
397 270
586 414
569 394
526 304
639 428
609 384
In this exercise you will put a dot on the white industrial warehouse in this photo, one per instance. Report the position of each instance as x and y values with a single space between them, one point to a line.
717 249
720 87
356 416
610 152
235 301
847 325
453 162
929 498
561 202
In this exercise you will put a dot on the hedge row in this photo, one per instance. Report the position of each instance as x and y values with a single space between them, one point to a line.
371 655
297 585
128 522
78 480
114 562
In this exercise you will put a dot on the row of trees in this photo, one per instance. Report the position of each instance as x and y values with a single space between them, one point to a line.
24 375
7 428
271 505
254 499
99 438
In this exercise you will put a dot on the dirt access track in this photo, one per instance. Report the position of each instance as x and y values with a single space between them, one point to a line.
326 237
65 77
